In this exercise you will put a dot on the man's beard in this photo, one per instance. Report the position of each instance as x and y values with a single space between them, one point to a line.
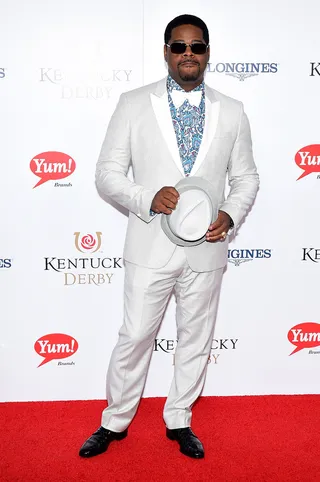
189 77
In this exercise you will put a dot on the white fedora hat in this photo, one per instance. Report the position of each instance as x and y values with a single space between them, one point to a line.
197 208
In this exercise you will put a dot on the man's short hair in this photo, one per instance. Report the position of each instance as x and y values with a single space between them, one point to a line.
186 20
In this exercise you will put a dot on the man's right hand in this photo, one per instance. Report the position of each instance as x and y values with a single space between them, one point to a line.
165 200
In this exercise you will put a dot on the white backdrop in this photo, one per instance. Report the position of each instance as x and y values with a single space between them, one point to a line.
63 65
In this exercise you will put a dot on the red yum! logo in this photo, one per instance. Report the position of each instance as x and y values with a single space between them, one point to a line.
55 346
52 166
308 159
87 243
304 335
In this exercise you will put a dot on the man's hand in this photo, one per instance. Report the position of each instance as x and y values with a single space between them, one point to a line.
218 230
165 200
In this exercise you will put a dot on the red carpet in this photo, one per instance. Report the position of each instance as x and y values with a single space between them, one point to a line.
269 438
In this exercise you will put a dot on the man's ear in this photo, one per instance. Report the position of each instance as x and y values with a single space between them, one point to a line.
165 52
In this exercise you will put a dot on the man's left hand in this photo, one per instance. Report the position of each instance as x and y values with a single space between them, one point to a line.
219 229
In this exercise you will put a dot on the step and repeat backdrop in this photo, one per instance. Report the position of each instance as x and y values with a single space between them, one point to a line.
63 65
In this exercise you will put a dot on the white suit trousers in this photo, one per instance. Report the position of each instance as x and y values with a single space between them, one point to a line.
146 294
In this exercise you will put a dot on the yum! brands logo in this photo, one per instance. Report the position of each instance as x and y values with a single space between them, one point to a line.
51 166
91 269
308 159
305 335
56 346
88 243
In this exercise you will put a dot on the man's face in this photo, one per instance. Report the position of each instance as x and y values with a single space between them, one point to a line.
186 67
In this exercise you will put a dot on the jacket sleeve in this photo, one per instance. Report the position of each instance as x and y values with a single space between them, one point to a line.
113 165
242 174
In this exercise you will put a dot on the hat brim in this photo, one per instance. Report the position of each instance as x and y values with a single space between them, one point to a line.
184 185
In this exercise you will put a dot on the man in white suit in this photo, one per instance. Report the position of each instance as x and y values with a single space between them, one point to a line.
168 130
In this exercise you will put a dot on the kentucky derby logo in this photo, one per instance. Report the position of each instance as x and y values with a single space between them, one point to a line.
87 243
87 269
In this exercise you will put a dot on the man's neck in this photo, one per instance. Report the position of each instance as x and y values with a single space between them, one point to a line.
187 86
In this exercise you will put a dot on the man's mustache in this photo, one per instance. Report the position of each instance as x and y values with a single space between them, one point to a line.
188 62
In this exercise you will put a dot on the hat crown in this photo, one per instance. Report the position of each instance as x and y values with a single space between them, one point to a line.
192 216
196 209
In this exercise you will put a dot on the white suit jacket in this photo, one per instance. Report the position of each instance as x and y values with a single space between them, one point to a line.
141 132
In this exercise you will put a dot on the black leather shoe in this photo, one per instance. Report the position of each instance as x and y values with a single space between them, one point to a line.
99 442
189 443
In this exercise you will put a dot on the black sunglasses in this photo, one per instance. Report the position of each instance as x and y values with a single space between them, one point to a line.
181 47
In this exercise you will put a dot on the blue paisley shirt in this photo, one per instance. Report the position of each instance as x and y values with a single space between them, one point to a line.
188 122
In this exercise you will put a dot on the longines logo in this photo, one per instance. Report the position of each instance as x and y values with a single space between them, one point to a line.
70 267
164 345
85 86
243 70
311 254
2 73
5 263
315 69
238 256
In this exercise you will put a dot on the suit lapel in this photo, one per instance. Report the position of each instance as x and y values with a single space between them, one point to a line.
210 127
159 101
